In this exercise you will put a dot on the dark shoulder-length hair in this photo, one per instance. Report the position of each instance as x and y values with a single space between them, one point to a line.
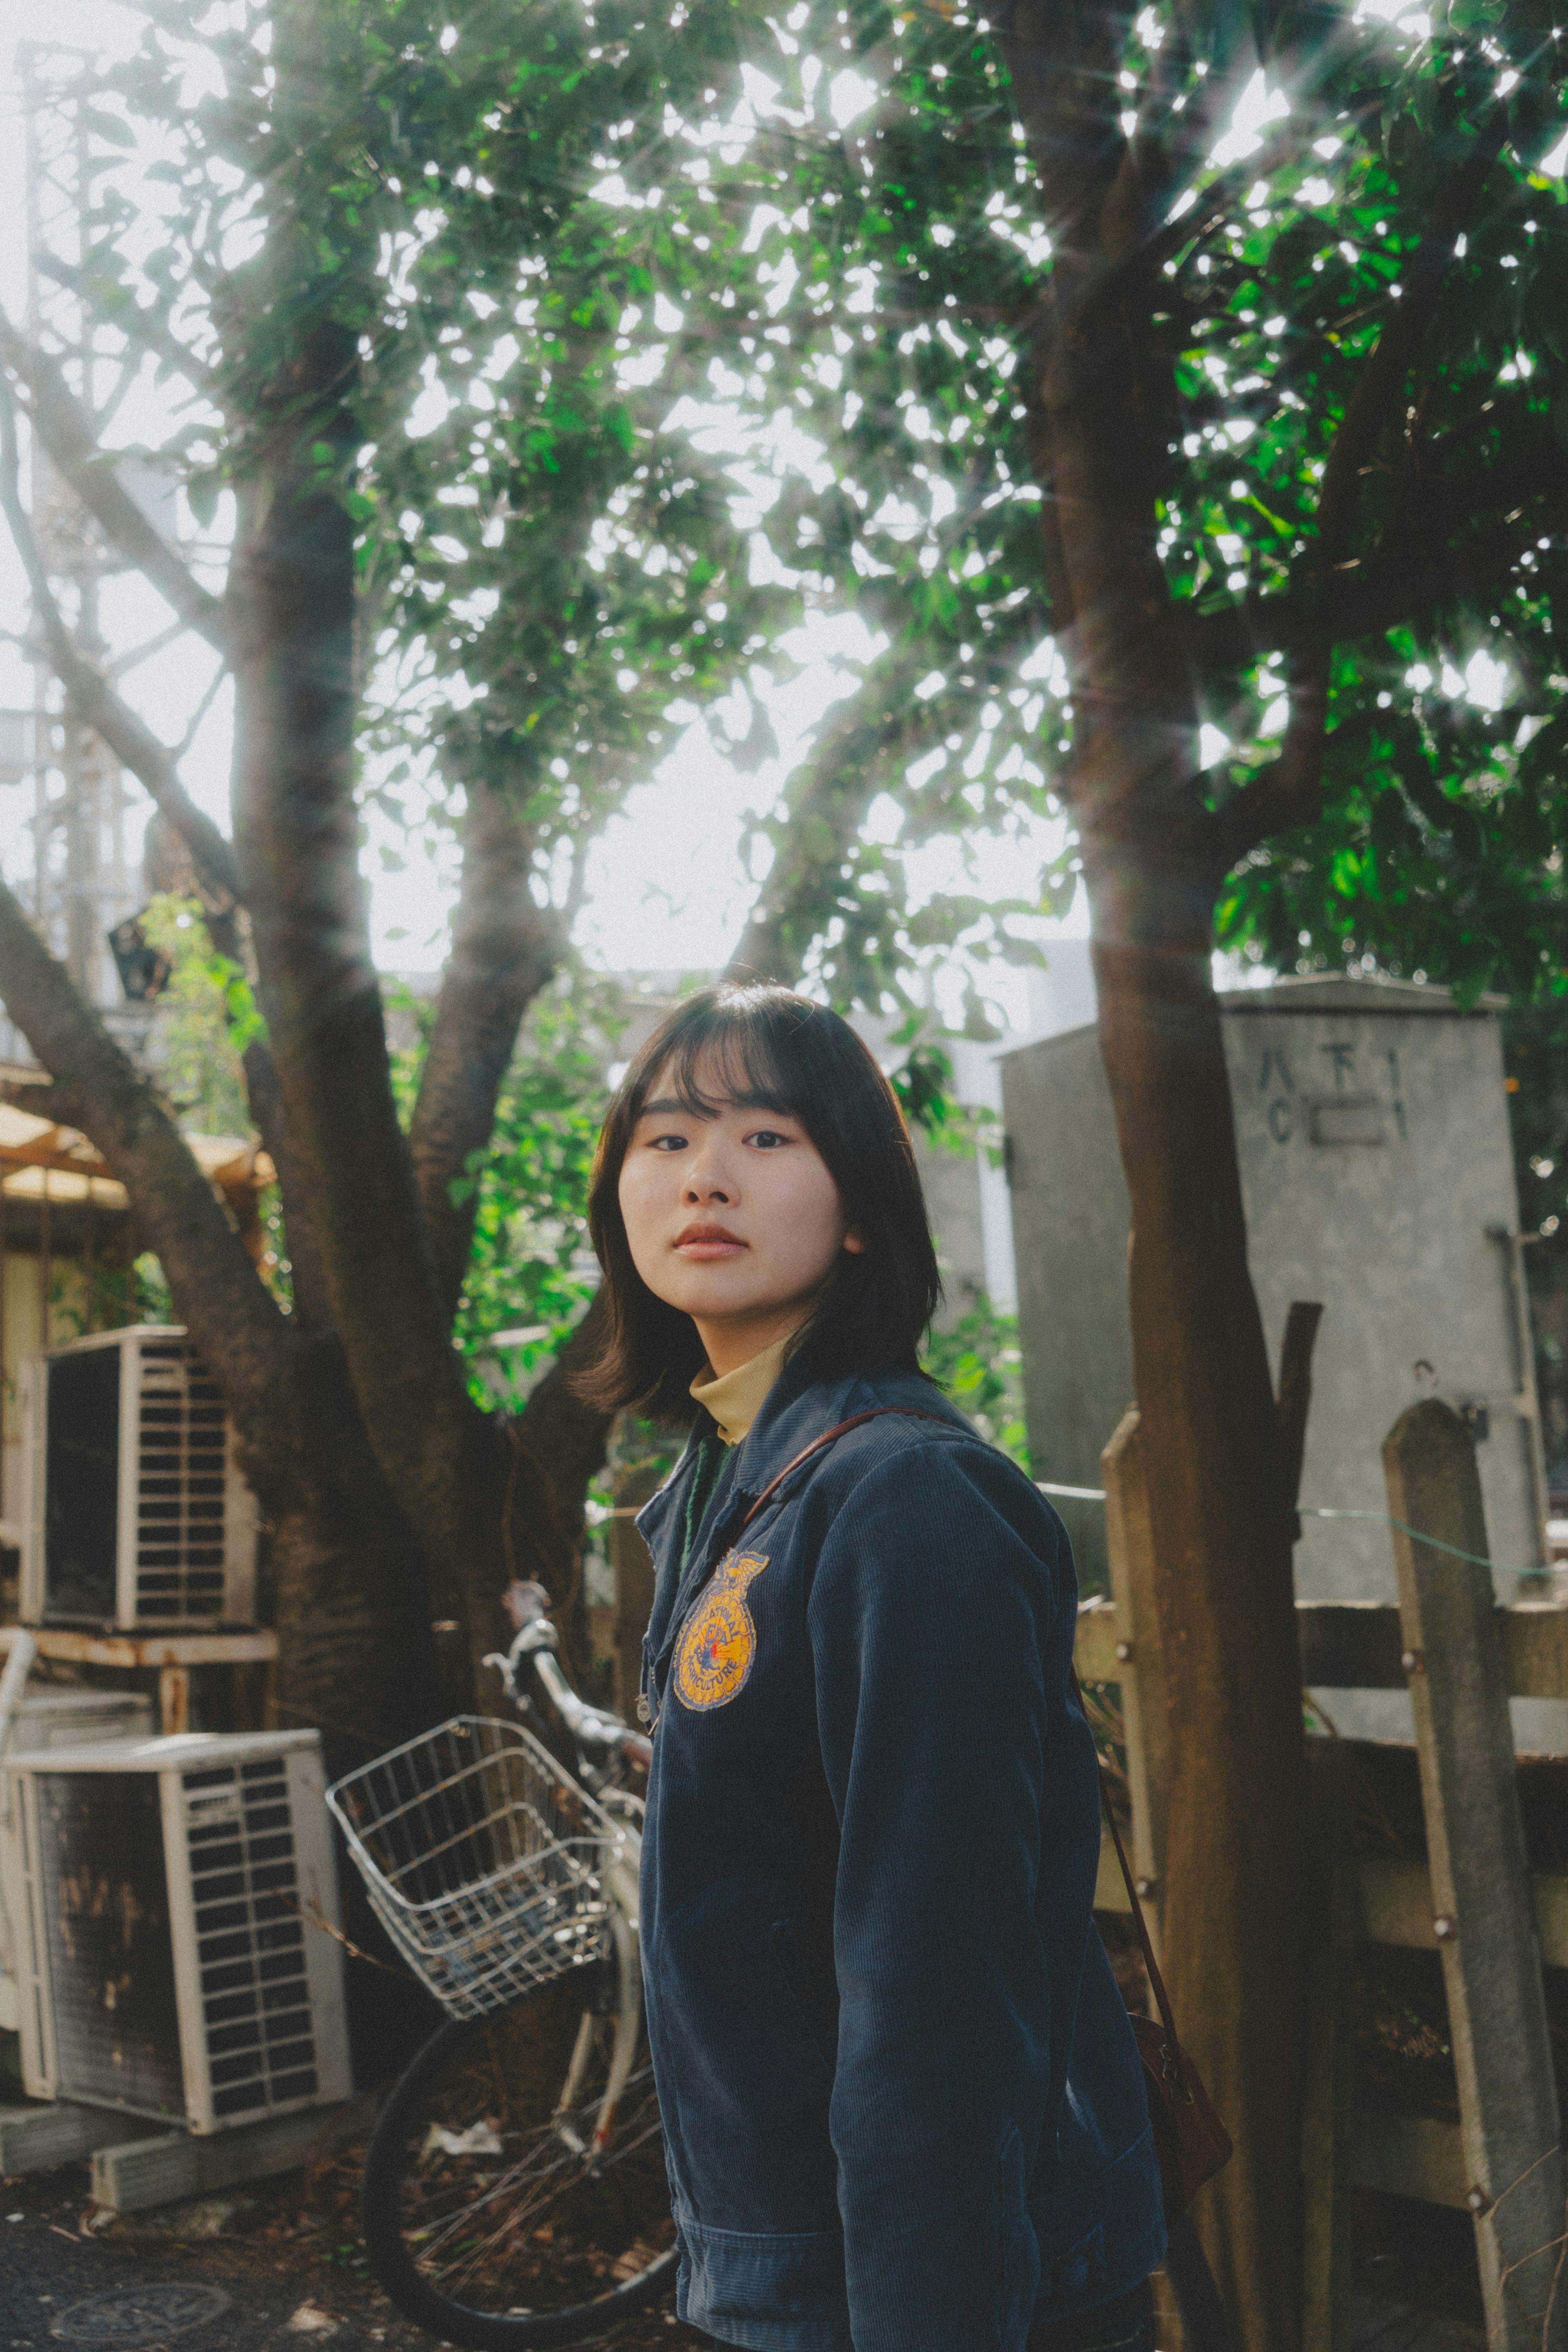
788 1055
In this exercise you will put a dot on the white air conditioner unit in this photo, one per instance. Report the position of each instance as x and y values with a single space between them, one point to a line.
58 1718
76 1719
134 1514
173 1902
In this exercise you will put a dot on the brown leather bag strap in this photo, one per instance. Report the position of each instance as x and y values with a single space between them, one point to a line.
909 1412
1156 1981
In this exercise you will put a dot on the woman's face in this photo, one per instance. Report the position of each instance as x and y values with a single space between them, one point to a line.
732 1218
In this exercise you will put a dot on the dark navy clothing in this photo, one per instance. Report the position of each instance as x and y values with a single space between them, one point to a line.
902 2105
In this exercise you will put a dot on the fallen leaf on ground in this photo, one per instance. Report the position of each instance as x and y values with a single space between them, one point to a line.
311 2320
636 2258
480 2140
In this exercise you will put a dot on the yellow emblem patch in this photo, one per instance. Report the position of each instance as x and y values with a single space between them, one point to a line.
719 1644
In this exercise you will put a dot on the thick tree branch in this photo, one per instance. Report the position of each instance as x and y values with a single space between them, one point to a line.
1409 579
859 736
827 815
505 946
95 704
1380 384
298 837
93 701
1290 791
1060 61
139 327
231 1316
66 434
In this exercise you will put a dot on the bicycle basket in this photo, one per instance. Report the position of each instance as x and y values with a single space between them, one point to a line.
484 1861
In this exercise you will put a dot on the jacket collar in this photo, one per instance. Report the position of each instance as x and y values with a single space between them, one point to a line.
796 1410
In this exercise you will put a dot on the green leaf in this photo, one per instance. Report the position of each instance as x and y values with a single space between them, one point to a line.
201 491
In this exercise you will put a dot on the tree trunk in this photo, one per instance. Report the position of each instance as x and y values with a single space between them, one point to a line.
1234 1925
341 1561
1105 425
297 831
505 947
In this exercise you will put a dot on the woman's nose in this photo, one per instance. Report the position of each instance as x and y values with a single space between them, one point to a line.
708 1177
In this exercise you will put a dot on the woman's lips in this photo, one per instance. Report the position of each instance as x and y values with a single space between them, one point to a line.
705 1242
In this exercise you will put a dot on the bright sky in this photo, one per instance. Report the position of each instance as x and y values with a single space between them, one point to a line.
666 886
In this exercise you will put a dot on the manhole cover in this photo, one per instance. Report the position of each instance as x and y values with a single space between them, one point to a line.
140 2315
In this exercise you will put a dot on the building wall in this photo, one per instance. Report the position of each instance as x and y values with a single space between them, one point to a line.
1377 1177
1070 1221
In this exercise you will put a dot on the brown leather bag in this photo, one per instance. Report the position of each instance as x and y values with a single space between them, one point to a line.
1191 2141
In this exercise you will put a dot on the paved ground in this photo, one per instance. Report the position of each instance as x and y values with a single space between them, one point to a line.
291 2276
279 2269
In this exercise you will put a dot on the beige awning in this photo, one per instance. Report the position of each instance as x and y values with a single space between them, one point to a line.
40 1159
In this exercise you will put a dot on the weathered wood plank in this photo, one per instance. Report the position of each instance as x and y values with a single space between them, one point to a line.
1535 1649
1130 1543
1094 1649
1396 1906
256 1648
36 2139
1408 2156
172 2167
1508 2119
1350 1644
1358 1645
1394 1900
1328 2127
1110 1886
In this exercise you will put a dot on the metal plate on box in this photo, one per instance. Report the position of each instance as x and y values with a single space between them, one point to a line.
140 2315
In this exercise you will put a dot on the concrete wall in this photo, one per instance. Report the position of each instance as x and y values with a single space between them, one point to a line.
1372 1132
1070 1242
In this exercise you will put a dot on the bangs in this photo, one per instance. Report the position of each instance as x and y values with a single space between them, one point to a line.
747 1058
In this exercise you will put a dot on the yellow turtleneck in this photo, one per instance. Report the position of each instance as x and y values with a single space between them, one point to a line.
734 1399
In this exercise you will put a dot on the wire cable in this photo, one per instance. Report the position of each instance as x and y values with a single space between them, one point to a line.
1320 1511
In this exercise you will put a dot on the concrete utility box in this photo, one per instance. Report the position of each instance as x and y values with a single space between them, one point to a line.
1371 1130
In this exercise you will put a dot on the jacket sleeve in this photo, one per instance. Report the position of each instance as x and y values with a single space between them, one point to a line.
930 1616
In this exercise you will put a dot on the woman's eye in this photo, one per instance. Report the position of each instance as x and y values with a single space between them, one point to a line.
768 1138
666 1143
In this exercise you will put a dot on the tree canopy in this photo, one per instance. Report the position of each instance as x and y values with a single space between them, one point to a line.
1174 396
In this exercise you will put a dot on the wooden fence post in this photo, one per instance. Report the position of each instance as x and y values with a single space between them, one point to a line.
1129 1539
1328 2117
1481 1899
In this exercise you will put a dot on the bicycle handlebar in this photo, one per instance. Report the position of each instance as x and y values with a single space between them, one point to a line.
535 1638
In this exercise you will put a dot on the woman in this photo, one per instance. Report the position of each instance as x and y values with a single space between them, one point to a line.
902 2101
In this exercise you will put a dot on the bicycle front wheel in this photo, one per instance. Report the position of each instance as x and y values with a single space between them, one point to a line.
503 2207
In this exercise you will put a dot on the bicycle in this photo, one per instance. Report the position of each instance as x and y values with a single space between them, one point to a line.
523 2142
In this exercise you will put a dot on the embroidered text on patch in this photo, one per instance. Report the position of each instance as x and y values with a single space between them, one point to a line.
719 1644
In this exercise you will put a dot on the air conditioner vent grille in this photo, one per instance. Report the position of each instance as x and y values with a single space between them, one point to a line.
181 1487
250 1938
110 1959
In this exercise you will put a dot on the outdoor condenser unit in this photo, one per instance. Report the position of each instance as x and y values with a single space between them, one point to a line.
59 1719
173 1902
76 1719
134 1513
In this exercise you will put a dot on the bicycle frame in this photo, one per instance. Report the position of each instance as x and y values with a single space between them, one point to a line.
596 1734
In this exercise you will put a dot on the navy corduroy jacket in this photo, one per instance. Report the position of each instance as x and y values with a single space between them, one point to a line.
902 2101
